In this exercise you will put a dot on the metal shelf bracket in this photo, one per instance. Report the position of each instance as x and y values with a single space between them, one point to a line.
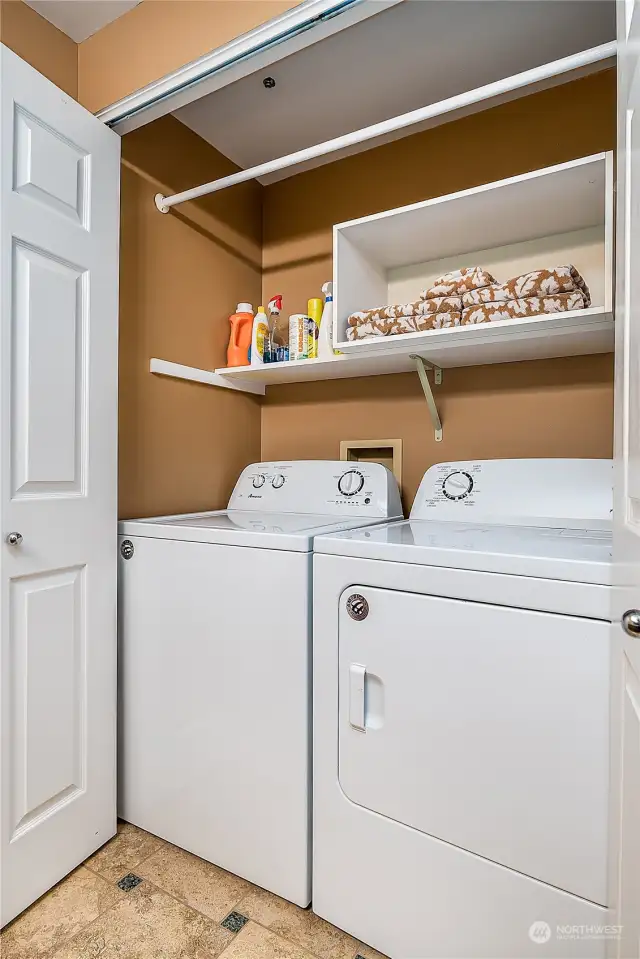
422 367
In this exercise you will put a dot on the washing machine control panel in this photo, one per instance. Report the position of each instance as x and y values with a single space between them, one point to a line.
351 483
545 492
457 485
327 487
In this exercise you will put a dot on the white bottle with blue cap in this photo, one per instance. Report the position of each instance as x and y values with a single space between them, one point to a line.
325 341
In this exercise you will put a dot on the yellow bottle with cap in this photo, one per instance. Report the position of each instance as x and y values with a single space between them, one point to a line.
259 337
314 312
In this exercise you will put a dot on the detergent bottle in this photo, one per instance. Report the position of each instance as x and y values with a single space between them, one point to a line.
325 344
260 339
275 352
240 340
314 312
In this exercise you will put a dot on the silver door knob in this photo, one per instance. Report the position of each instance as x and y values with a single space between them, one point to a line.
13 539
631 622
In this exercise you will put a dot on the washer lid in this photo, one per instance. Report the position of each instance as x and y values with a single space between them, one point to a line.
576 555
288 531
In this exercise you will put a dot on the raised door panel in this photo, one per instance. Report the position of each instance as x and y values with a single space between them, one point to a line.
49 318
48 693
51 169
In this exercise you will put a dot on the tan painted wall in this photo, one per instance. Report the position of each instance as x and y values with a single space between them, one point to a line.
41 44
159 36
153 39
182 445
548 408
552 408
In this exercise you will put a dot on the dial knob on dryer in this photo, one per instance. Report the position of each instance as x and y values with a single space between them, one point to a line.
457 485
258 481
351 482
277 481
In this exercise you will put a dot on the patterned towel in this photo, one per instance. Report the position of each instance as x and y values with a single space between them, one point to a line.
526 306
412 323
439 304
470 296
458 282
539 283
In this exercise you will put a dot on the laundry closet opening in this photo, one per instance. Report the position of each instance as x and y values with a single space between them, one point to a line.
183 444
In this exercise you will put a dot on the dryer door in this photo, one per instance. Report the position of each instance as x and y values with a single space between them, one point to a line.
481 725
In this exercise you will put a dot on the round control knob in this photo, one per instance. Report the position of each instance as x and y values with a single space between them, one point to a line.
258 481
277 481
457 485
351 482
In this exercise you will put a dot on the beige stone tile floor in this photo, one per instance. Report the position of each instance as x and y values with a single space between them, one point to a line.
179 909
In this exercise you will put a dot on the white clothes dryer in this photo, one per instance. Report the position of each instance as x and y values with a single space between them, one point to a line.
461 697
215 665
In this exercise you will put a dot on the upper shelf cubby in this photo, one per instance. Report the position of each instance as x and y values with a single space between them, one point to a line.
550 217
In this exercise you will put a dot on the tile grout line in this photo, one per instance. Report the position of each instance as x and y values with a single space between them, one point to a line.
297 944
187 905
279 934
139 863
118 902
234 907
291 942
52 953
83 865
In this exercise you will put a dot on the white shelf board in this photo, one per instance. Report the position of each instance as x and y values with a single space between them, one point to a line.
574 333
301 371
558 199
506 341
210 378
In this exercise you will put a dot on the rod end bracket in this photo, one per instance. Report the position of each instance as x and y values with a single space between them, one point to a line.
160 198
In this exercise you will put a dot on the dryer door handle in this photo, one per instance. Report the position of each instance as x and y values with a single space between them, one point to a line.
357 682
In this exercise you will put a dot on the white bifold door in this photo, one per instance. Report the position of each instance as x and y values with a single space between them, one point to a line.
59 214
624 871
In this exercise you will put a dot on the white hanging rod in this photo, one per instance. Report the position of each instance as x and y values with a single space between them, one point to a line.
529 77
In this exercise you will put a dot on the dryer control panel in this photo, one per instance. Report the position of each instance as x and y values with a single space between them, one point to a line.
330 487
535 492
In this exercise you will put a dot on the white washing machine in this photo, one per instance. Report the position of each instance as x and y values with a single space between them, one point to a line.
461 697
215 666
